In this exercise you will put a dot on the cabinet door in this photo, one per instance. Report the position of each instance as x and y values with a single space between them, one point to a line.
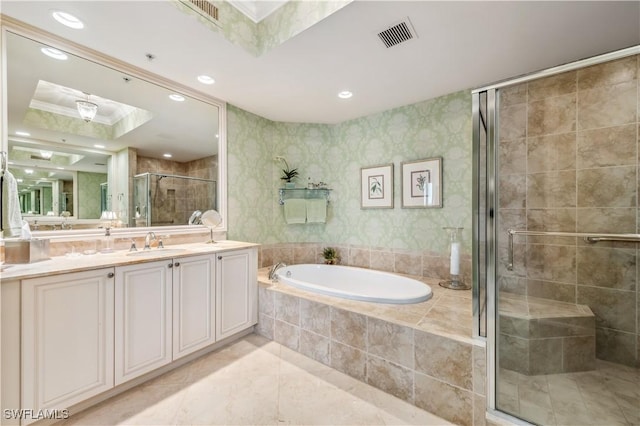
67 343
236 291
193 304
142 318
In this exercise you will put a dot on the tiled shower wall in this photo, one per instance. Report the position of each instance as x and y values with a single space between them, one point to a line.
178 198
568 161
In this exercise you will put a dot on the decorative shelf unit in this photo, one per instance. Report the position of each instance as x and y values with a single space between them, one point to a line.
305 193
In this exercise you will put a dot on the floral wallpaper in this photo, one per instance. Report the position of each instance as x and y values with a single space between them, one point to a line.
73 125
283 24
291 19
89 194
335 154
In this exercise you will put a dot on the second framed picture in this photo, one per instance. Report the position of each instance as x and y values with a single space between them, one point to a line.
376 187
422 183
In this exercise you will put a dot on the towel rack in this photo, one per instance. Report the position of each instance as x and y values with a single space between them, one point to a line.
588 237
286 193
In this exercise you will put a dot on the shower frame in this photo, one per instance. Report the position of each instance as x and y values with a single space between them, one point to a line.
485 197
148 198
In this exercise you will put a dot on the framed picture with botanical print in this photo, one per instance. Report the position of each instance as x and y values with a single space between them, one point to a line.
422 183
376 187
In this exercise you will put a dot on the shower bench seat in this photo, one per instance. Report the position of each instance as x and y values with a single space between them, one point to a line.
542 336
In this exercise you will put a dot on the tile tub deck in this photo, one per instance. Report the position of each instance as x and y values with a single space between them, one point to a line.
422 353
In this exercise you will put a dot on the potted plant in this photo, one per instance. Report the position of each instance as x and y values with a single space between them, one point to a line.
287 175
330 255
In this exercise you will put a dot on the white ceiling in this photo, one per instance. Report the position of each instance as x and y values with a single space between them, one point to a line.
173 123
460 45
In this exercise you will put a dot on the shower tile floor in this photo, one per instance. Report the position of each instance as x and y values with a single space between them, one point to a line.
254 381
609 395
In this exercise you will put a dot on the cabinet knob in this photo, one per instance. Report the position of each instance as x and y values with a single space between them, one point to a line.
219 257
177 264
170 265
111 275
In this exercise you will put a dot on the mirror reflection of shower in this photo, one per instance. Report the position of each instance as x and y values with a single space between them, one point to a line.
165 199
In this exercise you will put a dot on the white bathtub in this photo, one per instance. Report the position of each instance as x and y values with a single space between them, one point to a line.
355 283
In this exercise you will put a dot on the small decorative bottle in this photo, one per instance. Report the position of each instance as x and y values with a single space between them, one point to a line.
107 246
455 281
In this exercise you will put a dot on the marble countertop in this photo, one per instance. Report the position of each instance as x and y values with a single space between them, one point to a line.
81 262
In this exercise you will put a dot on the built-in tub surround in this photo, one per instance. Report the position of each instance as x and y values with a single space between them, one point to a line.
355 283
422 353
409 262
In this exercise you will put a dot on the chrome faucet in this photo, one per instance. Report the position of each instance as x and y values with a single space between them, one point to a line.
147 240
272 272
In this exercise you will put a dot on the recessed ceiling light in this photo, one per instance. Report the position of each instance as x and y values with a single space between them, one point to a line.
60 168
176 97
98 146
345 94
28 171
167 155
19 180
54 53
22 133
67 19
205 79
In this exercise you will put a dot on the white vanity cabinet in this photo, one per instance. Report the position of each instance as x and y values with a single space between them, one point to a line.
193 304
236 291
143 320
67 338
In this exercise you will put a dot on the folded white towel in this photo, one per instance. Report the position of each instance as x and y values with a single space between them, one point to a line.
295 210
11 216
316 210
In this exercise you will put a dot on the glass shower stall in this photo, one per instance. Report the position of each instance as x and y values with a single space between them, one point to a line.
556 242
164 199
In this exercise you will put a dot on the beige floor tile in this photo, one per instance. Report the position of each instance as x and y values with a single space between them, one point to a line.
571 413
609 395
240 400
313 401
630 408
254 381
537 414
145 404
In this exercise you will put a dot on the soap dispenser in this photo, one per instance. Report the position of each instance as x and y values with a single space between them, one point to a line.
107 245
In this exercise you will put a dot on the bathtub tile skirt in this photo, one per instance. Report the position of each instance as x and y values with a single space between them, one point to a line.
437 370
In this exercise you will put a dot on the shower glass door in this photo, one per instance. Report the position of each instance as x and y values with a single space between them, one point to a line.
563 276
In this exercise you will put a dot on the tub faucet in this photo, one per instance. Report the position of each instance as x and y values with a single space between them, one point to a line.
147 240
274 269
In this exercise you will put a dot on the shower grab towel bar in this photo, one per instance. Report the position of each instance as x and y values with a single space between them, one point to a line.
588 237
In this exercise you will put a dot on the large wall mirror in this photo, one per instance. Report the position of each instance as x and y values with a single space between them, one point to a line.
88 142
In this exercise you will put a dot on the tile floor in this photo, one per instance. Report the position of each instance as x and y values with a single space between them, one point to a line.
609 395
254 381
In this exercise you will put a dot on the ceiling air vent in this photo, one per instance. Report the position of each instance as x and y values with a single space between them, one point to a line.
208 8
397 33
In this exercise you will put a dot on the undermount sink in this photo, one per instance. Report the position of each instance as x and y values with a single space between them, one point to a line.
156 252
